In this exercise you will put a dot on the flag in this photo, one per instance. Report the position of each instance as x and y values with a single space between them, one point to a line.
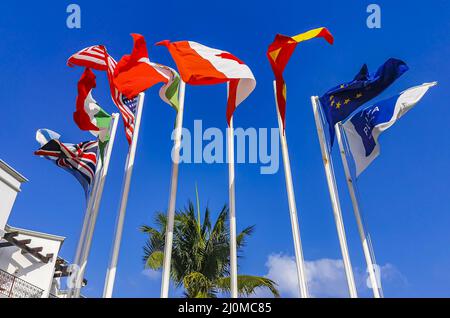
134 73
280 52
80 160
92 57
363 128
89 115
102 61
202 65
339 102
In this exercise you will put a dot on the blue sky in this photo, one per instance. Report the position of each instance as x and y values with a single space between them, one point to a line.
404 193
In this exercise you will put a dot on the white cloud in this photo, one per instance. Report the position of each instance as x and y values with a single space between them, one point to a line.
152 274
326 277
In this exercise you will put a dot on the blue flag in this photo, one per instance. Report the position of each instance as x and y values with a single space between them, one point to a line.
339 102
363 128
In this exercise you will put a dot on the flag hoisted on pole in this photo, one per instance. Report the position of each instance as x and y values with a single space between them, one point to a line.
81 160
202 65
128 78
358 143
87 240
279 53
334 195
336 105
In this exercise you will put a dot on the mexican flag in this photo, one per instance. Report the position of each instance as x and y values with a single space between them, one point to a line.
89 115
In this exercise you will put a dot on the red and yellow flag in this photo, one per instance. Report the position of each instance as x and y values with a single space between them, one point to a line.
280 52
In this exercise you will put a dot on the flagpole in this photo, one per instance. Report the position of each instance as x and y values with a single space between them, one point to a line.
111 272
231 188
82 238
334 196
173 195
96 204
300 262
352 188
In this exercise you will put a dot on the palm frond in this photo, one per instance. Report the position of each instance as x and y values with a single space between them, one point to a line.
248 284
155 260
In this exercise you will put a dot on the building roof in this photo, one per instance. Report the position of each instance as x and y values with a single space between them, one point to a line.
16 175
9 228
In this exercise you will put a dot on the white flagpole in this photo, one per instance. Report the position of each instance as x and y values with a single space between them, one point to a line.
301 273
334 196
82 238
111 272
352 188
231 188
173 195
96 205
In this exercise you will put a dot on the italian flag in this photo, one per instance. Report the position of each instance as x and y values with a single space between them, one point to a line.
89 115
202 65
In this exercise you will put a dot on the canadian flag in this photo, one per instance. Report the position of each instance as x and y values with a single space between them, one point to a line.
202 65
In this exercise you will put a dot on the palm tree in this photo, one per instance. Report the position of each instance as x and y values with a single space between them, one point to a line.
201 254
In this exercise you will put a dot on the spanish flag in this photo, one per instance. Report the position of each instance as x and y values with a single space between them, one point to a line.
280 52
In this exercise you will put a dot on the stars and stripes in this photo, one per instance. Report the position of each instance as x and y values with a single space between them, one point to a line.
92 57
80 159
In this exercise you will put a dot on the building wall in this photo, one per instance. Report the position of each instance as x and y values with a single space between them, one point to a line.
10 181
27 267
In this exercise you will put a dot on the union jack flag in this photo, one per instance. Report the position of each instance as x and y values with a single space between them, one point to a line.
97 57
80 159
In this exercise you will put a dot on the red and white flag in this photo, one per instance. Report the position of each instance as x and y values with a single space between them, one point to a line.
202 65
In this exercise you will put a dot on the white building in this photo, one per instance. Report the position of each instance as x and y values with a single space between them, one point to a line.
10 182
29 262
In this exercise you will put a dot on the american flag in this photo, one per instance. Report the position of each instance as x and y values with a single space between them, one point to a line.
80 159
97 57
93 57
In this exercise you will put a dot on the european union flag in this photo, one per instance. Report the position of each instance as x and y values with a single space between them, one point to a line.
339 102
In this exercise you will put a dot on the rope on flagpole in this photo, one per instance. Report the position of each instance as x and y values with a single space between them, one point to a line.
111 272
334 196
300 262
173 195
352 188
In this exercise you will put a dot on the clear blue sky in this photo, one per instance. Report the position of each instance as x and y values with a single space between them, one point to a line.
405 193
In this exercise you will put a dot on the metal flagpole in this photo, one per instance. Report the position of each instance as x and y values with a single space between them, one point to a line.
111 272
82 238
96 204
352 188
173 196
301 273
334 196
231 188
